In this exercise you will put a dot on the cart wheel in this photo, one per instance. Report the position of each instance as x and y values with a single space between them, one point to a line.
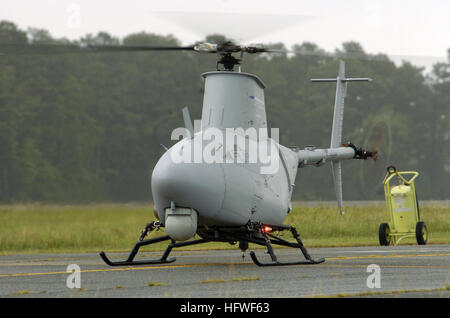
383 234
421 233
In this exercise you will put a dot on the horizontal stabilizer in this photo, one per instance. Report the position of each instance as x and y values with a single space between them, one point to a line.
341 91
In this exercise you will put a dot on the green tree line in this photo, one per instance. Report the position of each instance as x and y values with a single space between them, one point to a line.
88 127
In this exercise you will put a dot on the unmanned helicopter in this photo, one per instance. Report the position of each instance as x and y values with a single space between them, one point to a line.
232 196
230 200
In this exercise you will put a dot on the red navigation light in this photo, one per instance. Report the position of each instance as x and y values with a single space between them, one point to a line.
267 229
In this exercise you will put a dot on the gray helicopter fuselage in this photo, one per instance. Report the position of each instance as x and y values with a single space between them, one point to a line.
221 175
227 191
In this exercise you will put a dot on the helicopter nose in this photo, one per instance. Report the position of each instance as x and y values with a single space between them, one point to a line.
200 186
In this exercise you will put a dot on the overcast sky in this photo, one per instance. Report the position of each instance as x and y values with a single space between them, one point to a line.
413 29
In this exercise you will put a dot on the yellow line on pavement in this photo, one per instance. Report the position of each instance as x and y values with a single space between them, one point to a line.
389 266
230 264
121 269
104 270
386 256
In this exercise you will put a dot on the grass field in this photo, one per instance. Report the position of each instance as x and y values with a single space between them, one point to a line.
37 228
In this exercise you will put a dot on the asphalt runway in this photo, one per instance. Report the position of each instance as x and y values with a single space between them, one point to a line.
405 271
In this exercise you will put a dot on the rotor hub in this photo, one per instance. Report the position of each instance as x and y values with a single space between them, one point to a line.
228 61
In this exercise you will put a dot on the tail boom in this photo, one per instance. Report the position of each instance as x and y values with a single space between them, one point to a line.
317 157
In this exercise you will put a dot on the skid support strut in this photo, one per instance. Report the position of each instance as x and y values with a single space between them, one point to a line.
270 239
141 242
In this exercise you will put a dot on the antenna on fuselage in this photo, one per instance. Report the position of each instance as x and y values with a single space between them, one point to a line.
188 121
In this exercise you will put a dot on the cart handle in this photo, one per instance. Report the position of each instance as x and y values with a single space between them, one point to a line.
399 174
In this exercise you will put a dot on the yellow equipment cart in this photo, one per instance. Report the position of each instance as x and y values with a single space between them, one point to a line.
403 206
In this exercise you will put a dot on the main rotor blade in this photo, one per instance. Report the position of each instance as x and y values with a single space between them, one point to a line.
13 49
61 48
359 55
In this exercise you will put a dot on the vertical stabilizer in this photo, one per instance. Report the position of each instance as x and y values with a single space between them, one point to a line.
336 132
338 117
337 178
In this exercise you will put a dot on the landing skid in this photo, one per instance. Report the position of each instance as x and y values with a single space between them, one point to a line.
276 263
270 238
251 233
139 262
141 242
